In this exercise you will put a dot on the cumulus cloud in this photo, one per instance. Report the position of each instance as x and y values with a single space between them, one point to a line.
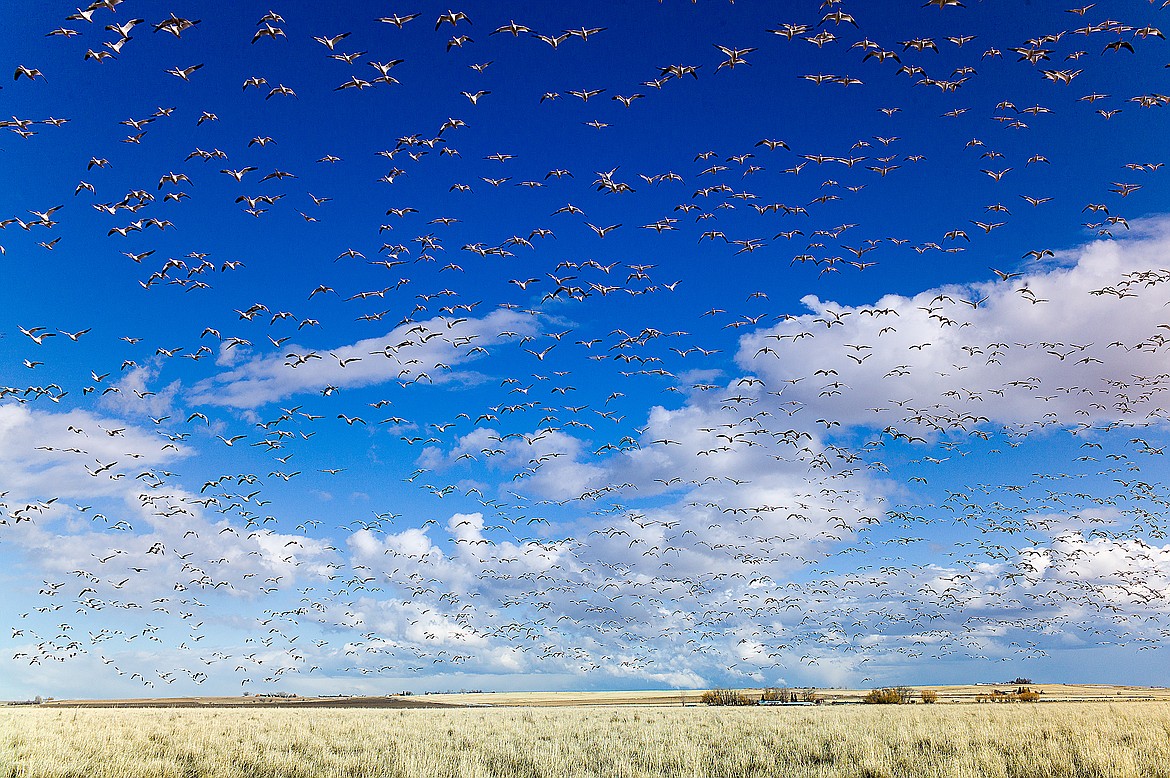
91 504
1077 341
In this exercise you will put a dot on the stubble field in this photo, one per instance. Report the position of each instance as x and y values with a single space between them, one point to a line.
1047 739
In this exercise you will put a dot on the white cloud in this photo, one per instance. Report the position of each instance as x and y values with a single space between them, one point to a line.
75 454
132 394
426 352
1075 342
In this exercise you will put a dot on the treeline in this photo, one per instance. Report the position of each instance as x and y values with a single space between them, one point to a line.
771 694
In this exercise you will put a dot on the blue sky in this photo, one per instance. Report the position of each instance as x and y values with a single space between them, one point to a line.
838 362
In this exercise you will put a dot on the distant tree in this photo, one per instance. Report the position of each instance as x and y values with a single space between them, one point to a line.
810 695
725 697
897 695
1022 682
929 696
880 697
1021 694
778 694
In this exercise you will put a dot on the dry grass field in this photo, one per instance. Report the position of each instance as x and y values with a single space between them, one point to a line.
1048 739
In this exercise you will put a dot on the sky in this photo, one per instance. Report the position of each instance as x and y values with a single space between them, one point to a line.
369 347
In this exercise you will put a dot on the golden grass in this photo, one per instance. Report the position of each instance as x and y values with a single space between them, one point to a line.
1048 739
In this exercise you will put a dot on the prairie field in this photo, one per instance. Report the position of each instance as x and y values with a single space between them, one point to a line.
1047 739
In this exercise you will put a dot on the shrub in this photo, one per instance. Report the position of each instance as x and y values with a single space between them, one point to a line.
929 696
725 697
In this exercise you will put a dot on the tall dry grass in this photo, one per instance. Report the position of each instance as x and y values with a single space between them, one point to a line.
968 741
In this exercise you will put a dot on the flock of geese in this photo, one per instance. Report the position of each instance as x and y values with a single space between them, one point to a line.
597 447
